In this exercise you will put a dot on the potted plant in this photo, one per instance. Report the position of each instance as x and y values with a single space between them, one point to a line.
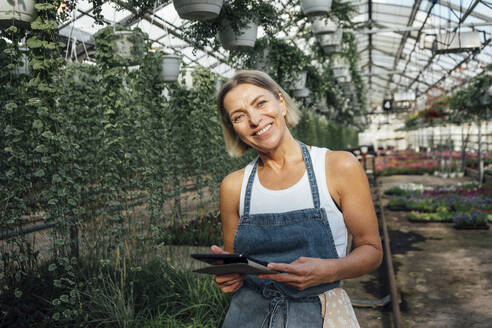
22 65
235 22
315 7
299 81
340 66
474 219
301 93
17 12
170 68
277 57
128 47
243 38
324 25
331 42
198 9
185 78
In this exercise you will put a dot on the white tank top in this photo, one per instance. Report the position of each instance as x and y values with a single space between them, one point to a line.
298 196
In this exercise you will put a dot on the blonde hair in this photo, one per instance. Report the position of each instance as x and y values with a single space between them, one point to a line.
234 145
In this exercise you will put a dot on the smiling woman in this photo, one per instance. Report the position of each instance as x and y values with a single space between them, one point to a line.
291 207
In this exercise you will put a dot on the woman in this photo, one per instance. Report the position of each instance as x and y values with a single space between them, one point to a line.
286 208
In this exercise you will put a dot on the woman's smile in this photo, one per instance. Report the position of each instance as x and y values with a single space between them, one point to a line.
263 131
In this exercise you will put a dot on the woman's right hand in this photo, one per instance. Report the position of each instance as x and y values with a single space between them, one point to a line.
229 282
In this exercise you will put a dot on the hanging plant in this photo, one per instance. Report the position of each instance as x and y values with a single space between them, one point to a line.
198 9
281 60
118 47
16 13
235 15
324 25
315 7
242 39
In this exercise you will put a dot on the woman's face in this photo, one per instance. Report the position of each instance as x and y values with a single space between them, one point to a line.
257 116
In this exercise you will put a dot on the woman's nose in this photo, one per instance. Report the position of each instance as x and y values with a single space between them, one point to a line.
255 119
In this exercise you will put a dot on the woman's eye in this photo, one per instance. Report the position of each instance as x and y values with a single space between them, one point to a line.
237 118
261 103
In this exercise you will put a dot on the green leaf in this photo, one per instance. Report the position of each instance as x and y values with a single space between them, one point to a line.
41 149
52 267
43 6
10 107
11 29
34 43
47 134
37 124
39 173
53 201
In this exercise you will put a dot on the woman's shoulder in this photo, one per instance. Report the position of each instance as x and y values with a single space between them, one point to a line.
232 182
341 161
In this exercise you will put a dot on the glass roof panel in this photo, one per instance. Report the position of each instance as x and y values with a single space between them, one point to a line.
392 16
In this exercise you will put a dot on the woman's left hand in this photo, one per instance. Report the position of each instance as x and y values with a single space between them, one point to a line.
303 273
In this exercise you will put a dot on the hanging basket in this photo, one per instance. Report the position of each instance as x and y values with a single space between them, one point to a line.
198 9
170 68
323 25
331 42
299 81
128 47
22 66
301 93
315 7
261 60
16 12
340 66
185 78
243 39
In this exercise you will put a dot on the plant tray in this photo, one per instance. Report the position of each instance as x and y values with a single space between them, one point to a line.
430 221
398 208
472 227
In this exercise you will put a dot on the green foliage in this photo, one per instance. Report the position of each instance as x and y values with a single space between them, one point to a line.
442 214
316 130
397 191
202 231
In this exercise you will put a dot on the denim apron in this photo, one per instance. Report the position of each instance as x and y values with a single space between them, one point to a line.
281 237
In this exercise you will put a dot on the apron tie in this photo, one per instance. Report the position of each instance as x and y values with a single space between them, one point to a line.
278 306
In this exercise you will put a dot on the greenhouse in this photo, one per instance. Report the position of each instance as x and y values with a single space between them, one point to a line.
128 129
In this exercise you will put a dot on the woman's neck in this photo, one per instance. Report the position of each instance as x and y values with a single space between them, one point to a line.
288 151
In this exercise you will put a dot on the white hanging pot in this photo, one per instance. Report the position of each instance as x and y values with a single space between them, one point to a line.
261 61
331 42
301 93
315 7
185 78
344 76
299 81
128 47
16 12
170 68
245 38
23 66
198 9
340 66
323 25
219 82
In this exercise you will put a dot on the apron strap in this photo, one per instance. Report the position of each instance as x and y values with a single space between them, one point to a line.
311 177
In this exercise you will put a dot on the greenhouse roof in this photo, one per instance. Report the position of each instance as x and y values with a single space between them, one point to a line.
394 41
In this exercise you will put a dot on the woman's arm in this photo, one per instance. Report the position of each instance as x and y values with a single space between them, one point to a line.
349 187
230 190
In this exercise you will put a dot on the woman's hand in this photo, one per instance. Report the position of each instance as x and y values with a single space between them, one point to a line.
303 273
230 282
